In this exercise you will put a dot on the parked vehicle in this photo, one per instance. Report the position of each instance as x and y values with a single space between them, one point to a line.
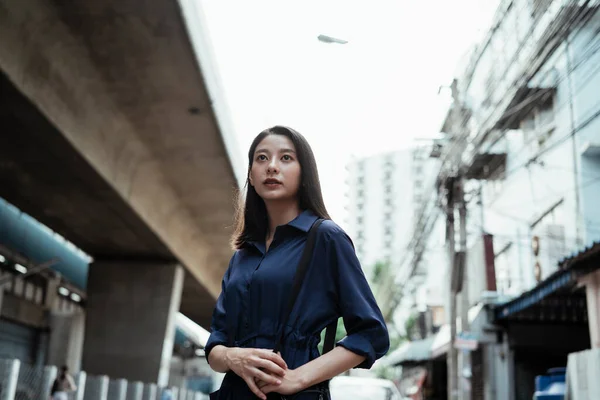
359 388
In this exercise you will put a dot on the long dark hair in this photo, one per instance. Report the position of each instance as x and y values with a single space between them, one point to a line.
252 220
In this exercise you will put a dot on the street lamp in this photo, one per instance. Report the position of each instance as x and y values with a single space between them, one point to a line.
331 40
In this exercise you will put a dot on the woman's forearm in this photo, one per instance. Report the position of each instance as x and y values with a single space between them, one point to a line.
217 359
327 366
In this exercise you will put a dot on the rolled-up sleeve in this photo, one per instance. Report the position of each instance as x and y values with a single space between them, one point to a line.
218 326
367 333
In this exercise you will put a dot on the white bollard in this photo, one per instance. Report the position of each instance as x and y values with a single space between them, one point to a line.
80 381
9 374
117 389
48 377
135 390
96 388
149 391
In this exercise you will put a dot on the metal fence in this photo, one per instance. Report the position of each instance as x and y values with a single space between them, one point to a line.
19 381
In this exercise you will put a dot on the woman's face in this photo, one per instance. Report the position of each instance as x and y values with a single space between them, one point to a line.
275 172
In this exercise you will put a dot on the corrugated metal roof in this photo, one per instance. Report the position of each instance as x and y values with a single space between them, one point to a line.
571 260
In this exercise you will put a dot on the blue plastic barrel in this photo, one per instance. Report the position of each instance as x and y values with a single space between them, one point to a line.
551 386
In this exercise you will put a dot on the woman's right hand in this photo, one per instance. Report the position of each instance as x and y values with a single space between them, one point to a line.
256 365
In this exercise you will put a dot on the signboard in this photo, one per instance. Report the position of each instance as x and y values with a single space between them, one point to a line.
466 341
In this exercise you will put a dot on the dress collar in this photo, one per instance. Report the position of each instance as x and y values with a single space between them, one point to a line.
303 222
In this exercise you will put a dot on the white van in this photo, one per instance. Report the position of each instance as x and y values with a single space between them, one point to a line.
359 388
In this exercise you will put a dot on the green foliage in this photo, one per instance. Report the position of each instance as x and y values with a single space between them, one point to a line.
410 325
379 271
339 334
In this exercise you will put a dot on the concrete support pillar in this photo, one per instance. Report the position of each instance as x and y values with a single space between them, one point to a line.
592 291
66 338
130 321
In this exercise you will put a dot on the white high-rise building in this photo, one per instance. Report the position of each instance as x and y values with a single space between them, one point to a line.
384 192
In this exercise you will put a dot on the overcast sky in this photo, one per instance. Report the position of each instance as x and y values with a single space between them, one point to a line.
374 94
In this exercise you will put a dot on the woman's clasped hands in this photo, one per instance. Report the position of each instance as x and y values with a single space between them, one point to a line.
263 371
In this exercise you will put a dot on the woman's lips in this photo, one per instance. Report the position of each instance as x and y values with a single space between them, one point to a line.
272 183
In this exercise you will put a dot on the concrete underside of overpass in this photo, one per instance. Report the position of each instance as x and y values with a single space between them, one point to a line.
109 136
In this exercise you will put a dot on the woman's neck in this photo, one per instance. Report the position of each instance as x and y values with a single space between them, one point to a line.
280 213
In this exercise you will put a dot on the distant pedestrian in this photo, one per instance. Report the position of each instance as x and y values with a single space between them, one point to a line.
63 385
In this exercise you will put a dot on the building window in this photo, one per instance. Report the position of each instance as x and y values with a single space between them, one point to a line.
539 125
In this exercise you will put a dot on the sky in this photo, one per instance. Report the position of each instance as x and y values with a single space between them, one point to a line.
377 93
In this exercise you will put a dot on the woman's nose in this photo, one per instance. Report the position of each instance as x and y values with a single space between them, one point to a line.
273 167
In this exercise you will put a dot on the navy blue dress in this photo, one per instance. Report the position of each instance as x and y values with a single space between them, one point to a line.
256 290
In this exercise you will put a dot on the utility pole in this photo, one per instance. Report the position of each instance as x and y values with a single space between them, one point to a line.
452 356
465 365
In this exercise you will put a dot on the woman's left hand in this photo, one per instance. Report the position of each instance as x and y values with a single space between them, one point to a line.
291 383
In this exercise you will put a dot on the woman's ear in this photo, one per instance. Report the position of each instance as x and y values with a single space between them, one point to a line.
250 180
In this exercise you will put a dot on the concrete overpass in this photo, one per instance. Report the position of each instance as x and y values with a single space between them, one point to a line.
110 137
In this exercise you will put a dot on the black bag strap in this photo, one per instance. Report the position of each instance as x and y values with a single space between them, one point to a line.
297 285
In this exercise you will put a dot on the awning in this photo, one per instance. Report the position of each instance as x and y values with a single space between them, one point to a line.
555 298
411 352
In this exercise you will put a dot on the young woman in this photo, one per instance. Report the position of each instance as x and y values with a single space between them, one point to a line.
282 202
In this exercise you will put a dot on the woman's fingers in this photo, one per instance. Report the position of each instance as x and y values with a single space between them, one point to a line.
265 377
270 367
274 357
252 386
260 384
268 389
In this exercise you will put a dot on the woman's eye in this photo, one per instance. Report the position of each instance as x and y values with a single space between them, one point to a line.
261 157
286 158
